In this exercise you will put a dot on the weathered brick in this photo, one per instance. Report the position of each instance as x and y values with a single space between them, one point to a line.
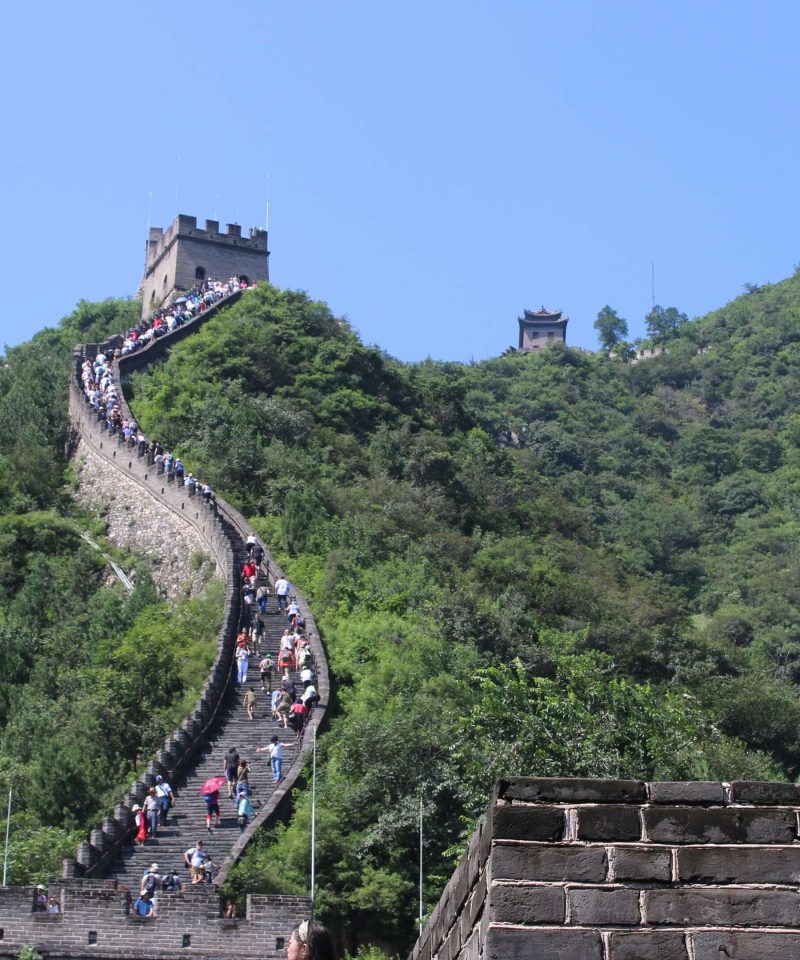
642 863
518 822
707 792
590 907
549 863
723 906
744 945
739 865
537 944
723 825
756 791
649 945
609 822
526 905
572 790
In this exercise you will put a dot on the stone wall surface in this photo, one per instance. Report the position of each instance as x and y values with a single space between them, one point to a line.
96 922
568 869
178 557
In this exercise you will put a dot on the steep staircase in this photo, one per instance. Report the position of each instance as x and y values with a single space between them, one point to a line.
197 749
233 728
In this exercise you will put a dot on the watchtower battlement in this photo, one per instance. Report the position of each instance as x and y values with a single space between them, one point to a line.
178 258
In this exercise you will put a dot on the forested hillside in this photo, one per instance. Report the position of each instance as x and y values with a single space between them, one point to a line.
545 564
91 678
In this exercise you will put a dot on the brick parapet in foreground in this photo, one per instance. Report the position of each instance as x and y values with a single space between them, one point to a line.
625 870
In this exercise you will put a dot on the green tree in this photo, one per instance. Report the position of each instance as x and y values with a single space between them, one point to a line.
664 323
611 328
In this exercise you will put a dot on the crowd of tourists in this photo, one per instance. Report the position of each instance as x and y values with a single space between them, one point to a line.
180 311
292 699
102 394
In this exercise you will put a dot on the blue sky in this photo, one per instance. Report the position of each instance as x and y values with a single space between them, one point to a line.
432 169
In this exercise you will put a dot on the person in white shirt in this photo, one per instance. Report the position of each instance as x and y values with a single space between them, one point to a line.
282 592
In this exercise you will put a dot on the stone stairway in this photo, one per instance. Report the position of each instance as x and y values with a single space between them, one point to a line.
195 751
186 822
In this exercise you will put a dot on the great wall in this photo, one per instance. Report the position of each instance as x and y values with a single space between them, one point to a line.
558 870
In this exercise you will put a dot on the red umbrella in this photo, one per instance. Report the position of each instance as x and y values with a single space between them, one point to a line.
212 785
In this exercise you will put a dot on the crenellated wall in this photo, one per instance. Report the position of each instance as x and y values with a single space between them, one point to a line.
96 922
565 869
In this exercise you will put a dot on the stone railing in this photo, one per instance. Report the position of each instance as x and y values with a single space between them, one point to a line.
96 921
223 530
625 870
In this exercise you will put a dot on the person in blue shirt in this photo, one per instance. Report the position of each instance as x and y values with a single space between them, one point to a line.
143 906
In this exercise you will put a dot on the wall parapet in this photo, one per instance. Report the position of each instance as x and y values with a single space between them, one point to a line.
625 870
96 920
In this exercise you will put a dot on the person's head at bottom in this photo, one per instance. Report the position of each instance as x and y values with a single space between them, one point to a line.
310 941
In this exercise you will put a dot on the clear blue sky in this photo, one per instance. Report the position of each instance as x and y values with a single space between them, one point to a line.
432 168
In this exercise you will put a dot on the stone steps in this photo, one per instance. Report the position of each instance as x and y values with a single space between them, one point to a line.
186 822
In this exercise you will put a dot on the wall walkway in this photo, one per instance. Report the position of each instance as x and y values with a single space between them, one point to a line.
93 888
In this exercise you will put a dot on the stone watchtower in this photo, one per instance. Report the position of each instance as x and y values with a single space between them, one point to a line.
185 255
540 329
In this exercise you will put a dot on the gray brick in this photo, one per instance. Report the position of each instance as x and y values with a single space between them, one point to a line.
723 907
739 865
572 790
549 863
609 822
650 945
756 791
646 864
744 945
518 822
724 825
591 907
520 944
708 792
526 905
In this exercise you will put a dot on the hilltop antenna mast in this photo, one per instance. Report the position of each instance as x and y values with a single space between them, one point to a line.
652 284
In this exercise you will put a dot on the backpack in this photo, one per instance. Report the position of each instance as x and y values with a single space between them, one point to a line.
149 885
170 883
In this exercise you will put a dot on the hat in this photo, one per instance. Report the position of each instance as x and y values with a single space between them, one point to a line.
135 807
154 868
159 779
40 886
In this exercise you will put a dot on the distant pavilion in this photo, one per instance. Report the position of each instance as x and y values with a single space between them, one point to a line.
540 329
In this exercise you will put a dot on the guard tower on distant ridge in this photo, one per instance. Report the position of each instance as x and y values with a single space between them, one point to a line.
540 329
185 255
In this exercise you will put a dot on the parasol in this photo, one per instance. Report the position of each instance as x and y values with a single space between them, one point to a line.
212 785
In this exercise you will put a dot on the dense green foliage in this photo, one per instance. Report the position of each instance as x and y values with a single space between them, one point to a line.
90 679
545 564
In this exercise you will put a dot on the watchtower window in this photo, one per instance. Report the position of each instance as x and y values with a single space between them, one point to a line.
200 273
152 296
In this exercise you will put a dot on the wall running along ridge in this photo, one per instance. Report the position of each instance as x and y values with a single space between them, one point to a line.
94 910
571 869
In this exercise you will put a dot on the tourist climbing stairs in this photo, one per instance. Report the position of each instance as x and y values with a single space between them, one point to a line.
186 822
